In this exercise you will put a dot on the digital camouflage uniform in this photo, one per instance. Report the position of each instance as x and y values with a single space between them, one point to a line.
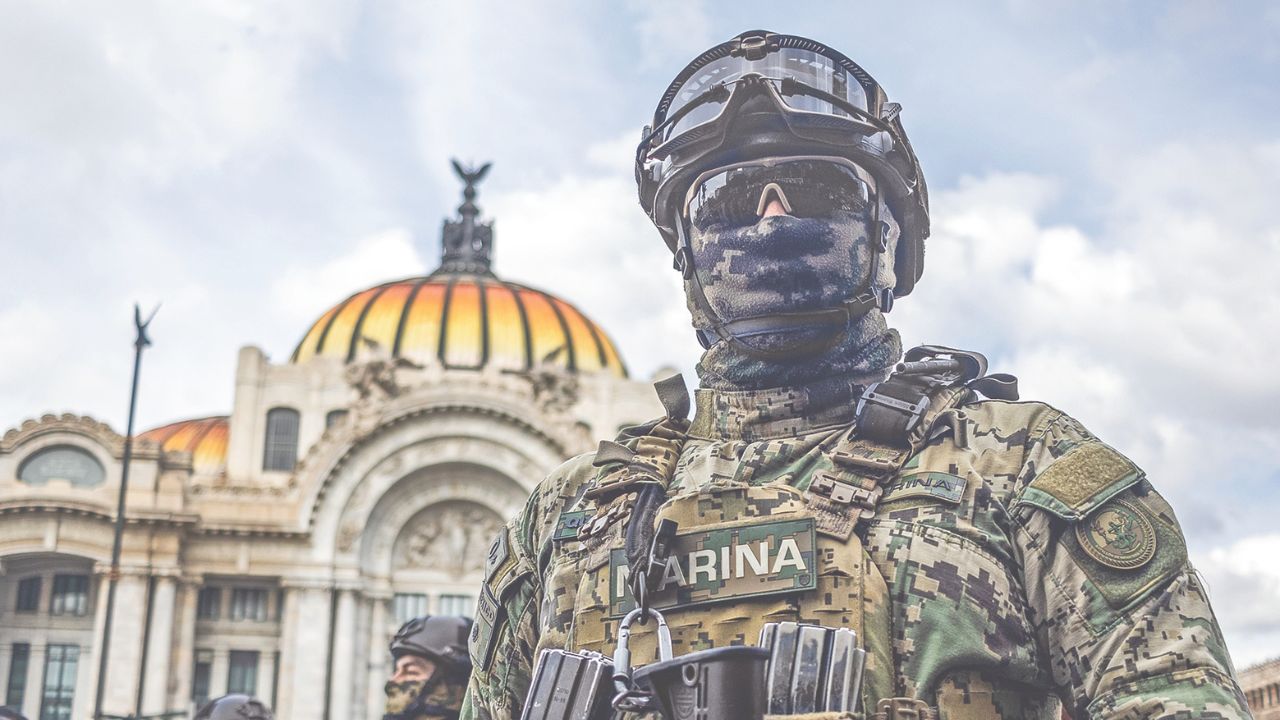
1023 561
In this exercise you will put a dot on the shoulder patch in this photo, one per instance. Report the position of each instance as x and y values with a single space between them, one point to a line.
498 554
1085 477
1118 535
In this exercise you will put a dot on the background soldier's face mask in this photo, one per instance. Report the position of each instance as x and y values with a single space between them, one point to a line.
400 695
812 257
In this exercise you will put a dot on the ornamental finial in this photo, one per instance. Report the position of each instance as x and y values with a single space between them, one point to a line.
467 245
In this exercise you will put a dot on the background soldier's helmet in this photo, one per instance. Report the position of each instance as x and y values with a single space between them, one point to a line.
11 714
762 96
234 707
441 638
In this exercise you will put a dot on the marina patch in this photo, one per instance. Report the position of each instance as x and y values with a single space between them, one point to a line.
937 485
723 564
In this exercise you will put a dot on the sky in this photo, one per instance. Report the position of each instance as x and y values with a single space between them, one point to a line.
1102 178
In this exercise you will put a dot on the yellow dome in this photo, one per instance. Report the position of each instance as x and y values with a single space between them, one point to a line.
205 439
461 321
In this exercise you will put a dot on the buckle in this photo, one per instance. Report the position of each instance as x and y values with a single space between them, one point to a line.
877 394
875 459
842 492
914 410
901 708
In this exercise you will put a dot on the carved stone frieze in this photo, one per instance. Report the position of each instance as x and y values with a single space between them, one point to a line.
450 536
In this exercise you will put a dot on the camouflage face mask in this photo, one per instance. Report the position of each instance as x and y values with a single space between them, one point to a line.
400 695
814 260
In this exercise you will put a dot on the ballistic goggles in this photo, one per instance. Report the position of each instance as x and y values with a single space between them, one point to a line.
763 96
804 76
817 187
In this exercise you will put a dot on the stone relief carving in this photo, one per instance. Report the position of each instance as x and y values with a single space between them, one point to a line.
376 381
452 537
555 389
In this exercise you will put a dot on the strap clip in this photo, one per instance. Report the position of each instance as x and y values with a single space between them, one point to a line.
880 394
901 708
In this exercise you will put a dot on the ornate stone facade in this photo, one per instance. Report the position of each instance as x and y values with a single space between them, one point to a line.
275 550
1261 685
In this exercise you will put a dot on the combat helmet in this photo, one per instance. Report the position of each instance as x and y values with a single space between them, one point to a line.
763 97
234 707
440 638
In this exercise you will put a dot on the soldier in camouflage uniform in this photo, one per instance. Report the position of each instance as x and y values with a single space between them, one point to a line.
995 558
431 669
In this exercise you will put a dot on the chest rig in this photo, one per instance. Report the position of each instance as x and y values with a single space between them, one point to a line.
722 559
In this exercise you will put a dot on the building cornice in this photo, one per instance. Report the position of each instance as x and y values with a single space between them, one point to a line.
61 506
82 425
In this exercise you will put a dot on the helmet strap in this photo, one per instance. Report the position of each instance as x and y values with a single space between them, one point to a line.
866 298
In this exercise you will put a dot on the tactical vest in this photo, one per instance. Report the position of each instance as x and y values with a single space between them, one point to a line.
743 555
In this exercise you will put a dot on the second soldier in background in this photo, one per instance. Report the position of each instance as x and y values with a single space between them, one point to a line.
431 669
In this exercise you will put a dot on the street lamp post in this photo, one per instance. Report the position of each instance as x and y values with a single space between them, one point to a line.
139 343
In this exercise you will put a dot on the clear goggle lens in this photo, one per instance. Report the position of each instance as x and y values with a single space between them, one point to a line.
812 188
812 69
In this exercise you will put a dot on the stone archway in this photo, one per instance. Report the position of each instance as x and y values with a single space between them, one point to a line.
424 534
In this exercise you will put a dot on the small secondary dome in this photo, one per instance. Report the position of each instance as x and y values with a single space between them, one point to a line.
462 316
205 439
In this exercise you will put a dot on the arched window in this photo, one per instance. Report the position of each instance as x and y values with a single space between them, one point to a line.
334 417
62 462
281 447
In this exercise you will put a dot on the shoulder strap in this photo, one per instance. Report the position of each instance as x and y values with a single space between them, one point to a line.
931 379
648 458
893 420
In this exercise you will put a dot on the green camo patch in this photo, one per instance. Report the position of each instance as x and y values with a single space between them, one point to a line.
941 486
726 564
569 523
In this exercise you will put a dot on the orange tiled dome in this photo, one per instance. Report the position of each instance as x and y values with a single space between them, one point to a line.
461 316
205 439
462 321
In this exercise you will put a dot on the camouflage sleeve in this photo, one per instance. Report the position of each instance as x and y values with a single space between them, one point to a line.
505 636
505 630
1120 612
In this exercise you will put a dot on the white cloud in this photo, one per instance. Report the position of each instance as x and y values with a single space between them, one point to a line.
304 292
584 237
1244 582
671 32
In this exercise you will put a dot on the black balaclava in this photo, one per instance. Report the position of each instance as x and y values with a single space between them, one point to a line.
786 264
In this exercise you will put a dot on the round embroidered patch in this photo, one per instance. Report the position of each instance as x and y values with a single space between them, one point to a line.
1119 535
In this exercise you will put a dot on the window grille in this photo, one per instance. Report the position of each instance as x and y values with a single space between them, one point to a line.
281 447
16 692
59 681
70 595
242 673
455 605
407 606
209 603
28 595
249 604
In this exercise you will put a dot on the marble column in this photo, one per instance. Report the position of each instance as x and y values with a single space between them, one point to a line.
344 668
379 659
121 689
218 672
155 692
35 673
183 652
304 648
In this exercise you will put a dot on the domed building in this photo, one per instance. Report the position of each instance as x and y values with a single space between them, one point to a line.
275 550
